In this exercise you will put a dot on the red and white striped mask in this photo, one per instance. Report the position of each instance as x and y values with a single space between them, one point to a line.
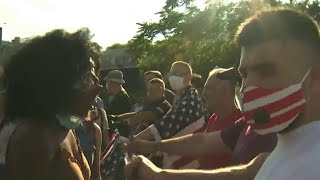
270 110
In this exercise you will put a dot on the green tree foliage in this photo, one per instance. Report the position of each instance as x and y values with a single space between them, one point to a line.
202 37
116 46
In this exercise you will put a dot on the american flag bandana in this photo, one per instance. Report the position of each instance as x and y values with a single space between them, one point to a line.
270 110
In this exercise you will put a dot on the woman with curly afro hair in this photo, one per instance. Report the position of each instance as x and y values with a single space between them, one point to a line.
50 87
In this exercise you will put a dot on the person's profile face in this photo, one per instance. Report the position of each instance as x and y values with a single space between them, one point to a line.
85 92
213 92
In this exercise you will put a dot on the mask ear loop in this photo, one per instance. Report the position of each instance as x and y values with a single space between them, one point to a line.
236 98
303 79
306 75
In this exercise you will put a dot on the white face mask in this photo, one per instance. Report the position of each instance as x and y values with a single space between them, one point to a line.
176 83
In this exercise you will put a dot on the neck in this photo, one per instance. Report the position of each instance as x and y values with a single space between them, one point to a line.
180 92
226 109
310 114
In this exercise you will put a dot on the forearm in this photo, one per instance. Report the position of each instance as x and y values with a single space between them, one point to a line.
125 116
232 173
244 172
185 146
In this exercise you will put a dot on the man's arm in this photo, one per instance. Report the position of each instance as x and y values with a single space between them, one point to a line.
244 172
146 170
185 146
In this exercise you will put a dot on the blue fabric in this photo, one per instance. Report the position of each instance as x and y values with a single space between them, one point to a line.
86 143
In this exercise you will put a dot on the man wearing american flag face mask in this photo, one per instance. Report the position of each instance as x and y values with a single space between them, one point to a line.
241 144
280 93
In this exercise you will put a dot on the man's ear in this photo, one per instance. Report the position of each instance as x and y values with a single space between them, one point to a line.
188 78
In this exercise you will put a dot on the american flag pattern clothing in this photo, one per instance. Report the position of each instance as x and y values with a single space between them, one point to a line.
272 110
186 116
113 162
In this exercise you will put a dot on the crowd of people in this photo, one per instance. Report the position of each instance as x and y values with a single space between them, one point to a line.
256 121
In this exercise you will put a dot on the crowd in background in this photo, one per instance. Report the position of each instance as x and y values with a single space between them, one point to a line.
256 121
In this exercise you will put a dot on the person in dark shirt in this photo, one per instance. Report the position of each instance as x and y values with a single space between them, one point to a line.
169 95
155 107
117 100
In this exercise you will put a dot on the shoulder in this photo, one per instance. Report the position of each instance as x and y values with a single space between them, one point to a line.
34 141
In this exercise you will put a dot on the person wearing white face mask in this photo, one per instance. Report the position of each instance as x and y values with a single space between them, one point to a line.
185 116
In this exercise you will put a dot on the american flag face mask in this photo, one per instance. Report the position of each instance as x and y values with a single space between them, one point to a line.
270 110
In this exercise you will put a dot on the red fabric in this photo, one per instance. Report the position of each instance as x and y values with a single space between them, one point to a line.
258 92
222 159
251 144
276 106
111 135
213 161
289 106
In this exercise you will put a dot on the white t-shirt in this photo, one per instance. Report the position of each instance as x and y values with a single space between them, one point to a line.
296 156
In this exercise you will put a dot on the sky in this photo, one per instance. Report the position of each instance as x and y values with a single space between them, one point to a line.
111 21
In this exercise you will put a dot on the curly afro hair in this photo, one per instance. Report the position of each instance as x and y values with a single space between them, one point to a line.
40 77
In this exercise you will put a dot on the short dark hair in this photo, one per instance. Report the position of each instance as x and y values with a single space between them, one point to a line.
279 24
40 78
157 74
197 81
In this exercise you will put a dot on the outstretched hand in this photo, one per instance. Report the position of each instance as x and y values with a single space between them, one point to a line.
140 168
